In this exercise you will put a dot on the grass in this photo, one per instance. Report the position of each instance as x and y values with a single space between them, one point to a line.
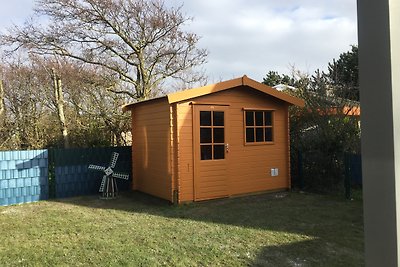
285 229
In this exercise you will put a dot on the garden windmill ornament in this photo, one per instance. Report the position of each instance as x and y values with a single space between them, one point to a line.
108 186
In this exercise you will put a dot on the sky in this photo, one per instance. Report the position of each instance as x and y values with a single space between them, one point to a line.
254 37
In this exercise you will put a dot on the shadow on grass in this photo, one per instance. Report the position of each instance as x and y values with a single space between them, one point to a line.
326 225
304 253
289 255
307 214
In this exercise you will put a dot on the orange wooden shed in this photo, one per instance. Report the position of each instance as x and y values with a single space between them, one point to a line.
220 140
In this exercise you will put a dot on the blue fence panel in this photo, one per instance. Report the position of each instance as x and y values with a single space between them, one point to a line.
75 181
355 169
23 176
28 176
72 177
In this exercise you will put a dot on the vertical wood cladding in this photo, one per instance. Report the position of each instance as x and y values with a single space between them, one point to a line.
164 156
151 146
249 166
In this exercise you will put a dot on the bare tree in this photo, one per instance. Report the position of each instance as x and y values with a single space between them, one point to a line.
25 113
141 41
2 108
92 112
33 101
59 100
88 113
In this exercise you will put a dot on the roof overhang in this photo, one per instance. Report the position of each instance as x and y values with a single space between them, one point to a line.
225 85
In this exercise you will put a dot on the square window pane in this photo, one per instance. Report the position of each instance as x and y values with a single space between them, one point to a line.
259 134
205 118
206 152
268 135
268 118
249 118
249 135
219 152
205 135
218 118
219 135
259 118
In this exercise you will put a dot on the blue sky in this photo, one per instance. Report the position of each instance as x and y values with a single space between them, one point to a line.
253 37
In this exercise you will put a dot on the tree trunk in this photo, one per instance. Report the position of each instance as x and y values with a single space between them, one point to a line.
59 97
2 108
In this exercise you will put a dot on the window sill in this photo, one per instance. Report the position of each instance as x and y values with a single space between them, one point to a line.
259 143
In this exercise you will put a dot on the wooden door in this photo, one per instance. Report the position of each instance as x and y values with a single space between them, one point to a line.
211 149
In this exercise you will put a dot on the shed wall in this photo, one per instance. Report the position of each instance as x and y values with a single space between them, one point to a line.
151 148
185 151
249 166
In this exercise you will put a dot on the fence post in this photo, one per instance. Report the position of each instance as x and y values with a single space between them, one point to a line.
52 174
347 176
300 169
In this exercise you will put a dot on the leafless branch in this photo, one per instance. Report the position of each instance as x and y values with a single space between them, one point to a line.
140 41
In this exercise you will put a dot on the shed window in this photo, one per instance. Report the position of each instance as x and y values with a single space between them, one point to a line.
212 135
259 126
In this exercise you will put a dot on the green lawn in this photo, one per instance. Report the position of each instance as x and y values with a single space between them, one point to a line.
284 229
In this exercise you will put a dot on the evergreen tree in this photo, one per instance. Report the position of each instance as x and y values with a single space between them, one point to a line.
274 78
343 75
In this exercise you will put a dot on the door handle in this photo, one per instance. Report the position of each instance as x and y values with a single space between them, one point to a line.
227 148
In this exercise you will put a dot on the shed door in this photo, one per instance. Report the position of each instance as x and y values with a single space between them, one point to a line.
211 151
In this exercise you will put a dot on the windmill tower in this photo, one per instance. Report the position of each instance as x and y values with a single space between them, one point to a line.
108 186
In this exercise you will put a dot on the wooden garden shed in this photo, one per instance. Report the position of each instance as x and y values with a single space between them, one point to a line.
225 139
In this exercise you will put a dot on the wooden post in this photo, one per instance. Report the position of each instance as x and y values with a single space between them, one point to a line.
379 64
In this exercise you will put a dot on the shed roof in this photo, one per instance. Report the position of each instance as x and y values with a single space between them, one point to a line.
225 85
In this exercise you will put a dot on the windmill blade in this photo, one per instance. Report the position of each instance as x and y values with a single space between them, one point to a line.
120 175
103 182
96 167
114 158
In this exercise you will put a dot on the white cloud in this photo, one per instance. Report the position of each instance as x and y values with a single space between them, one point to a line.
258 36
253 37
